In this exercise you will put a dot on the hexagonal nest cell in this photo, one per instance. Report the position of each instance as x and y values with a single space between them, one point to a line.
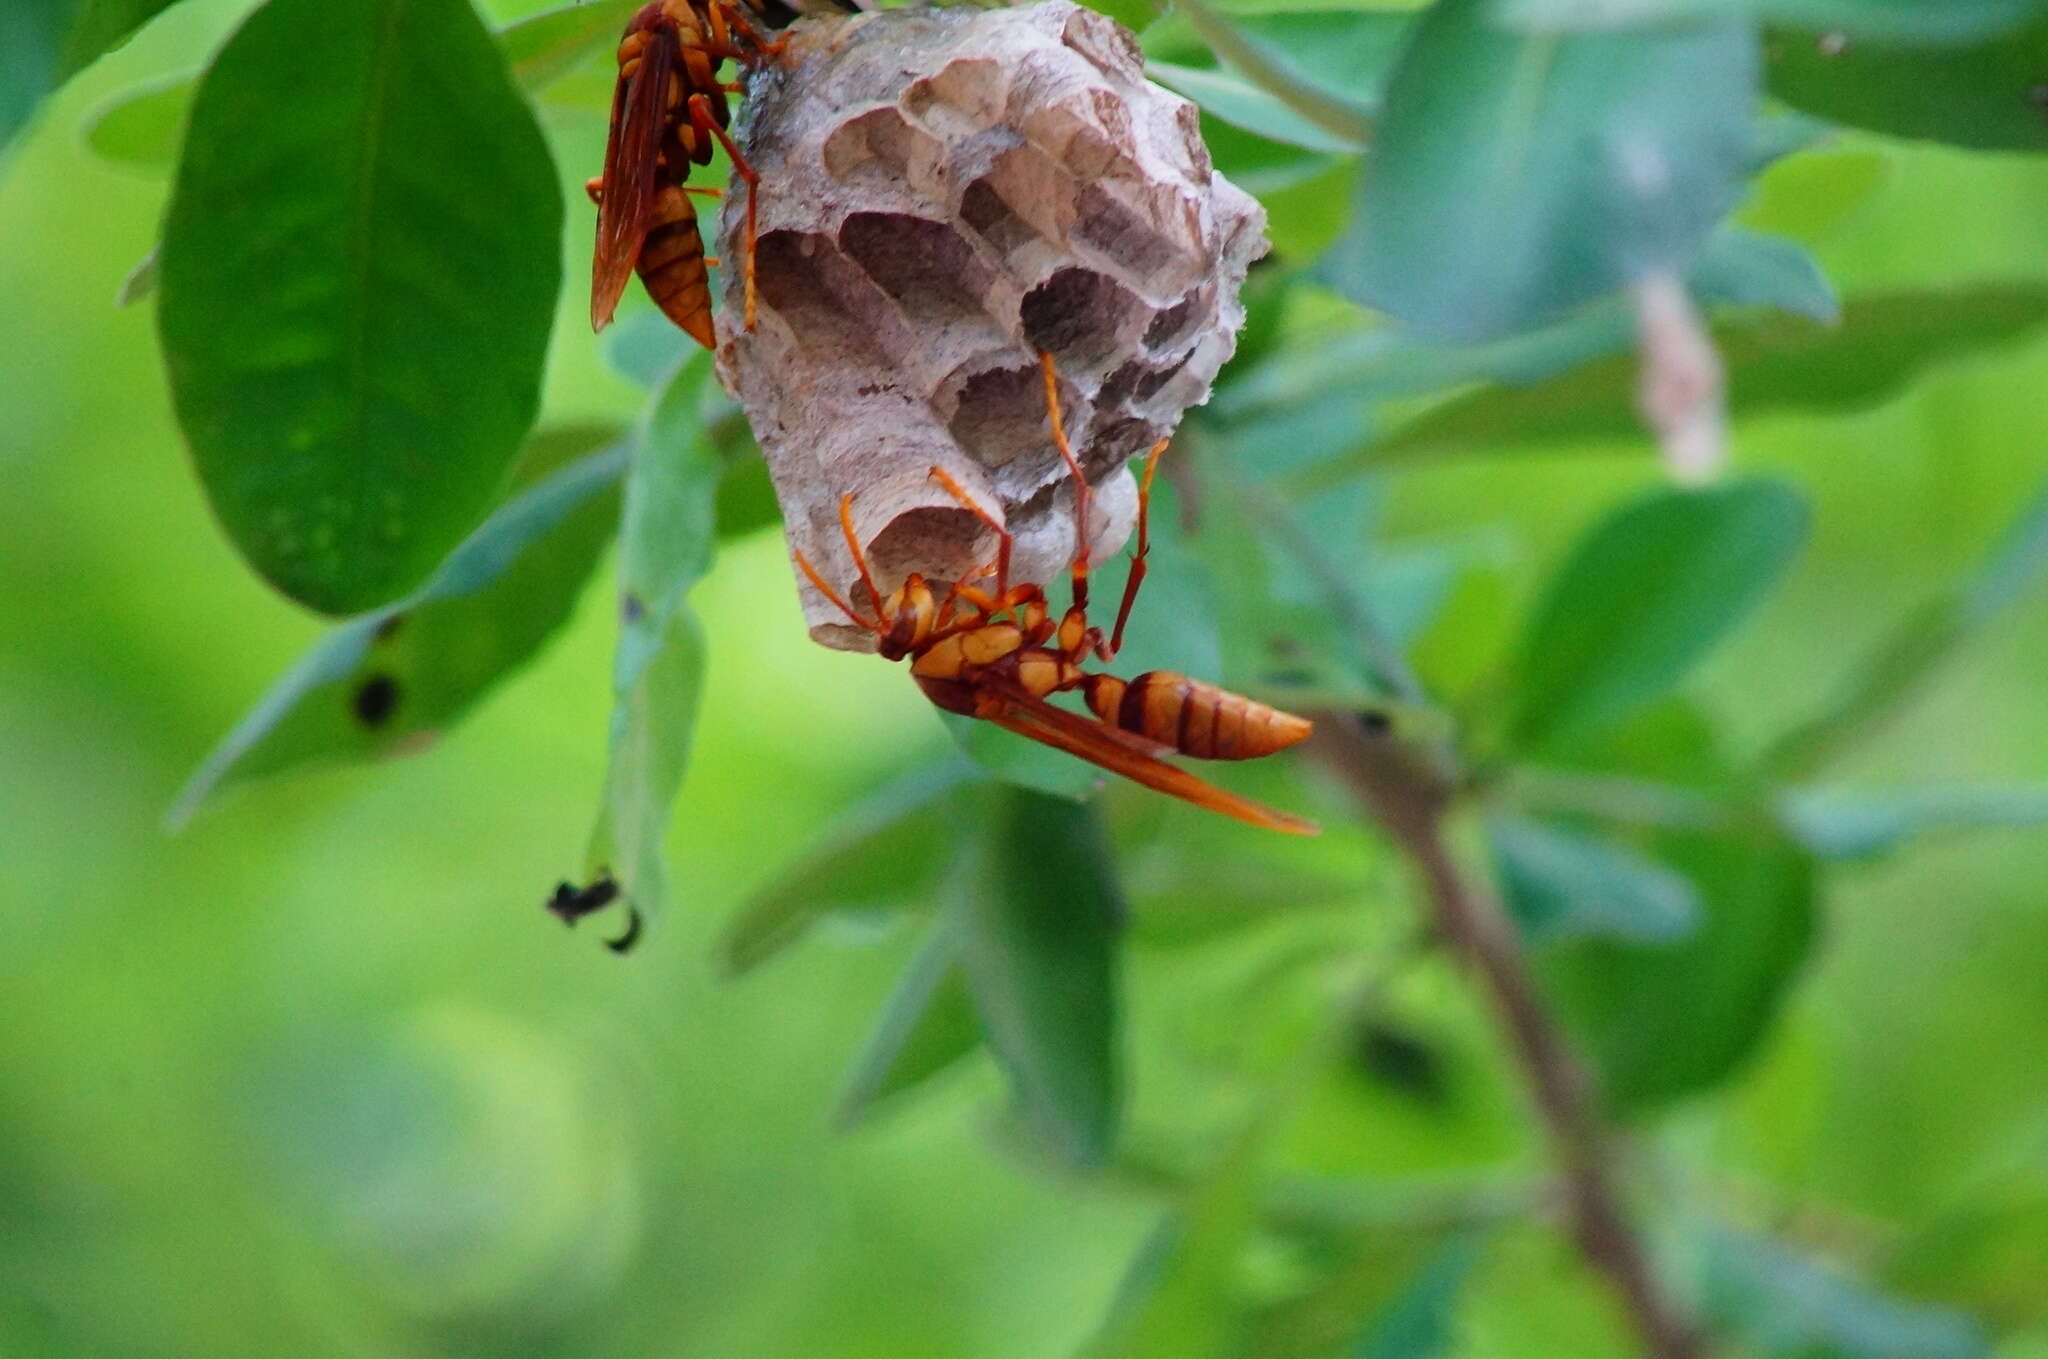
944 194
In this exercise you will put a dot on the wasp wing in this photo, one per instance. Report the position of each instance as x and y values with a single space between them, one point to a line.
1103 745
631 159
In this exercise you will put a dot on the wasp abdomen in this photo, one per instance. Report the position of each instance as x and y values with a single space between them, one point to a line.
672 265
1194 717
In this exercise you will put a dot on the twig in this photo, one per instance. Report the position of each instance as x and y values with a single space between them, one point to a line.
1409 792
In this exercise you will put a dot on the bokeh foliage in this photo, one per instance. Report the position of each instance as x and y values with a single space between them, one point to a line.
1108 1075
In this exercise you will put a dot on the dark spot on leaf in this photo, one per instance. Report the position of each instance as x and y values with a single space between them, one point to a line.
1375 722
631 609
388 629
376 700
1401 1060
2037 97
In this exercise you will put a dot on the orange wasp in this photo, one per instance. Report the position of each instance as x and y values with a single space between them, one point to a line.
1000 656
668 110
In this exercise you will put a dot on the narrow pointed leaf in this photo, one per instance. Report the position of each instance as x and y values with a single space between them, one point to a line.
888 853
43 43
1647 593
1775 363
360 264
1038 938
926 1027
1856 825
387 682
1562 884
143 128
1271 68
665 546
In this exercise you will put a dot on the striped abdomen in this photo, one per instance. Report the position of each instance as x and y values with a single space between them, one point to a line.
671 264
1193 717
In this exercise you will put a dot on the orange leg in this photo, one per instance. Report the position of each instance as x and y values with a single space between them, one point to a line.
706 122
1137 576
1003 539
819 583
860 558
1081 488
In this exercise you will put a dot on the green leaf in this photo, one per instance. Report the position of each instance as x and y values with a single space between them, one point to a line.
665 547
1647 593
543 47
43 43
1178 1298
1776 364
1514 178
1782 1303
1987 95
886 854
1926 21
1039 924
143 127
927 1026
1664 1021
1744 268
1837 824
1895 669
1810 196
1564 884
1278 71
360 264
385 683
1241 104
1419 1324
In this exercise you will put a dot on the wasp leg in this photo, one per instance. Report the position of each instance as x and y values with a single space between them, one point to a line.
860 558
703 119
1137 576
1003 539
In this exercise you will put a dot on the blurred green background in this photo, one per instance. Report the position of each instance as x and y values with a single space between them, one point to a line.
317 1076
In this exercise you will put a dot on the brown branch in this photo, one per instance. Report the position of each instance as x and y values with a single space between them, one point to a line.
1409 792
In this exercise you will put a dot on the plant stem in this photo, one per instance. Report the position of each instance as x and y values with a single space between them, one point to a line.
1409 792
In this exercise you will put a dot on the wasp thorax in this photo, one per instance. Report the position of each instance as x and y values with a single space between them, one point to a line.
945 193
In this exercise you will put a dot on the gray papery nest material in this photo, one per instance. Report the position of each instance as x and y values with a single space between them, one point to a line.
944 193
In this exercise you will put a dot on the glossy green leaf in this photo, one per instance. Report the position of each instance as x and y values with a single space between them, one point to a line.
1647 593
926 1027
1811 196
1888 677
888 853
43 43
1932 22
1563 884
1775 364
1514 178
1038 935
665 546
1779 1302
1241 104
143 128
1985 95
360 264
388 682
1851 825
1663 1021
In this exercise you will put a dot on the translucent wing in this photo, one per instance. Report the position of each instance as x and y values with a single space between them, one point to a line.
631 157
1106 746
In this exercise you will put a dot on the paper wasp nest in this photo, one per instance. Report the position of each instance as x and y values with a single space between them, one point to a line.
943 194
